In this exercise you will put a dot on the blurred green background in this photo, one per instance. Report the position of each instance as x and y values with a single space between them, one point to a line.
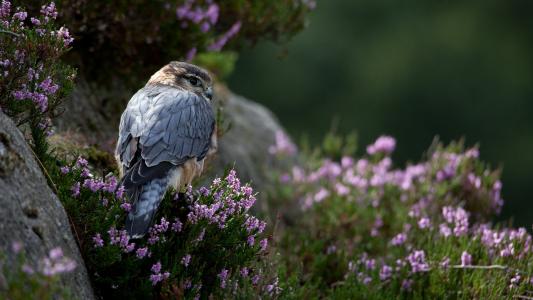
414 70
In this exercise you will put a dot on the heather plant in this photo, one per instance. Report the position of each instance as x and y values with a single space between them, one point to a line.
33 81
203 242
151 33
369 230
22 280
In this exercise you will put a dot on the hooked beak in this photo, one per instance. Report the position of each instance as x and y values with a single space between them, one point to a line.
209 93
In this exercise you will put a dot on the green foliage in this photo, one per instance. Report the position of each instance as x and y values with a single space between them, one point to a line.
33 81
368 231
220 63
134 38
209 226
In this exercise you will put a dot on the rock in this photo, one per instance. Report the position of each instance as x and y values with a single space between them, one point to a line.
31 213
245 145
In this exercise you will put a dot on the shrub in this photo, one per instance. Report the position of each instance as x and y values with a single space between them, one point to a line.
33 81
135 38
203 242
371 231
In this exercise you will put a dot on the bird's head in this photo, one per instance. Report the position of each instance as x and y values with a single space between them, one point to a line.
186 76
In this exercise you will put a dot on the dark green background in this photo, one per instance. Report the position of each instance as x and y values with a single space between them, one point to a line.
414 70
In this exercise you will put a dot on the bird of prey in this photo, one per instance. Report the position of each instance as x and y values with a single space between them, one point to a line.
166 131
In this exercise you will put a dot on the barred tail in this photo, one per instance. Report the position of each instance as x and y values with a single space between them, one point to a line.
145 199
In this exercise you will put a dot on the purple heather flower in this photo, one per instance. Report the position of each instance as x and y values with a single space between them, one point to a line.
472 153
255 279
75 189
56 263
223 276
64 34
156 268
81 163
507 251
49 11
474 181
176 225
212 13
205 26
20 95
186 260
111 185
141 252
120 192
424 223
244 272
48 86
203 191
97 240
384 144
366 280
94 185
126 206
449 169
263 244
129 248
417 260
27 269
221 42
35 21
21 15
399 239
406 284
155 278
273 288
64 170
16 247
341 189
385 272
5 9
444 230
466 259
515 280
282 145
321 195
250 241
85 172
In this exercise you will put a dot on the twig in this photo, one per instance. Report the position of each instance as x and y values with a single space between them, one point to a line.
9 32
489 267
45 172
52 184
523 297
499 267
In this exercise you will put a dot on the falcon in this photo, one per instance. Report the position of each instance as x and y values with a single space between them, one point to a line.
165 134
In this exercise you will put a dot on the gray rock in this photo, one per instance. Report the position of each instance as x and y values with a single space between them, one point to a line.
31 213
252 131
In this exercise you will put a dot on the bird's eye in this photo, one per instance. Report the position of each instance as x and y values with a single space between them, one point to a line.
194 81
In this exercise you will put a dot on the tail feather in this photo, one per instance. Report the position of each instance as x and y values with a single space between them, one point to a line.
145 199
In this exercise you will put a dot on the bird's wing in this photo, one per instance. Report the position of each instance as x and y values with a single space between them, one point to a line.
169 127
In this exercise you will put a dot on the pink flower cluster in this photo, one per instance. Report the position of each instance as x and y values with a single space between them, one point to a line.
197 14
210 209
282 145
57 263
157 276
384 144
